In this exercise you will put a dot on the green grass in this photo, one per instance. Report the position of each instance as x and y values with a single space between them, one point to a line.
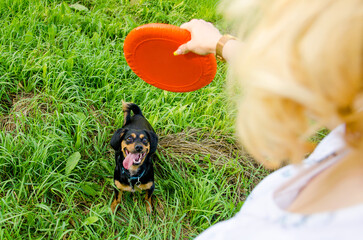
62 79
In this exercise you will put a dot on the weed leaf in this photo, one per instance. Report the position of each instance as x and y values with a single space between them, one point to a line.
90 220
89 188
72 162
78 7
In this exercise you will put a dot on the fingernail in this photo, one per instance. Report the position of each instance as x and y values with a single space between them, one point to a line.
177 52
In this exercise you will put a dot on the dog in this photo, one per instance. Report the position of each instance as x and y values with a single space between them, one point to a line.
134 144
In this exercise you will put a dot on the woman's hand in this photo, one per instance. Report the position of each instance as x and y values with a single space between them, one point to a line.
204 38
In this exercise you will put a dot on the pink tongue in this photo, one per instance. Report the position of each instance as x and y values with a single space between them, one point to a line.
129 160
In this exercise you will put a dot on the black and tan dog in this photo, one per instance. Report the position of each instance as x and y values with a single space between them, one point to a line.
134 144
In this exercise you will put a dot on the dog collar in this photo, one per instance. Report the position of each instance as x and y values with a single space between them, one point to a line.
133 177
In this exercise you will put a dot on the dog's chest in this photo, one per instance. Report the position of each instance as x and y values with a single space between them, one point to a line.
133 180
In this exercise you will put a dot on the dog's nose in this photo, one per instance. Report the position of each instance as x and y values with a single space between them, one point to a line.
138 148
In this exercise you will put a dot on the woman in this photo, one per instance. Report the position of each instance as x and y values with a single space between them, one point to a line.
300 69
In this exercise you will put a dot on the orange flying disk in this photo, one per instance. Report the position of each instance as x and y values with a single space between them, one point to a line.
149 52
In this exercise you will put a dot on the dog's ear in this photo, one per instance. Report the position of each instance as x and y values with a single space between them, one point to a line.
153 140
117 137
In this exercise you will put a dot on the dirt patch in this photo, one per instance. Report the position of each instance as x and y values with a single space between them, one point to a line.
221 151
22 106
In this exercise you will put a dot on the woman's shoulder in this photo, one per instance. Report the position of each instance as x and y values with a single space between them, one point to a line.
329 146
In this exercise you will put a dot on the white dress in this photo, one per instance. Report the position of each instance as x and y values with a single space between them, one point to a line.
263 216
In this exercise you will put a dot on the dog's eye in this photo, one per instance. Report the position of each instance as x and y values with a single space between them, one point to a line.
129 140
144 141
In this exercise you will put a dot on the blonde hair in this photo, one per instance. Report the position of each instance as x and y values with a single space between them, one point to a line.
300 69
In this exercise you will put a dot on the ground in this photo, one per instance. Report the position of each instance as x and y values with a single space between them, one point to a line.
62 81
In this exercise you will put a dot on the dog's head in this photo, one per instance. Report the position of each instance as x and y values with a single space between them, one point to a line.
134 145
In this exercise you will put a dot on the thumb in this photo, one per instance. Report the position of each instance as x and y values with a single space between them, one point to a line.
183 49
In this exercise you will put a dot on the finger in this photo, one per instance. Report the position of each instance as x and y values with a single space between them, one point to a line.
183 49
186 26
189 25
